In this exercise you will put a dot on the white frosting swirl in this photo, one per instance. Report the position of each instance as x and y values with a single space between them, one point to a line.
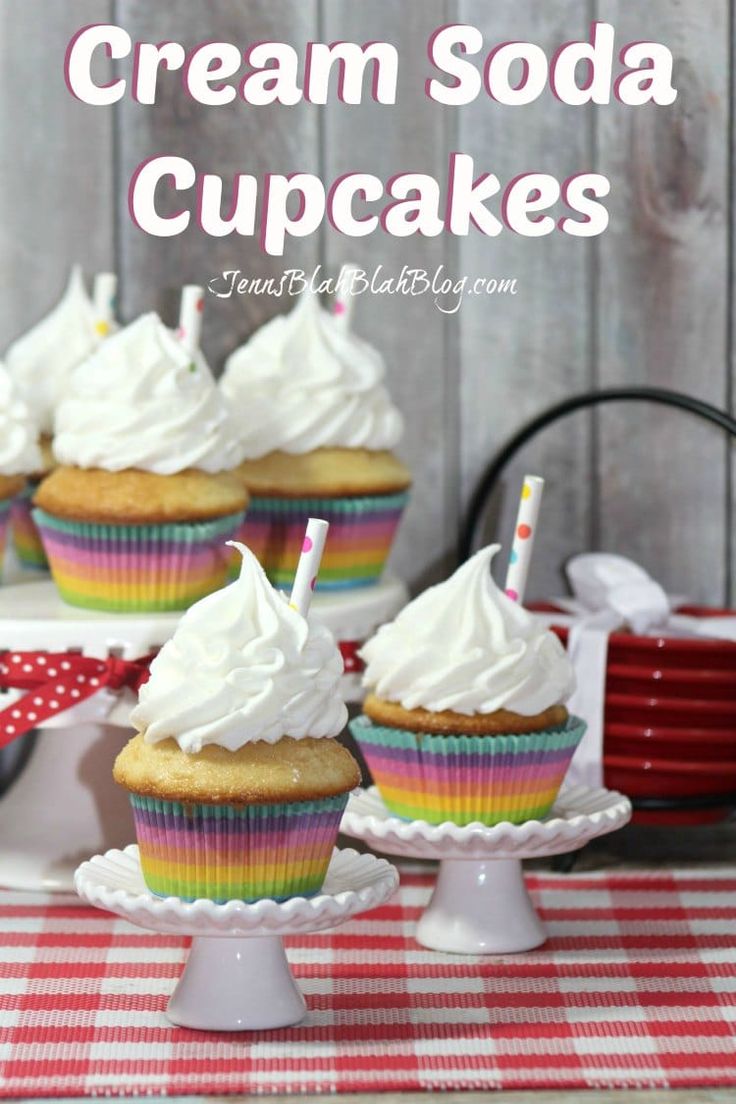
19 451
304 381
243 666
142 401
42 360
464 645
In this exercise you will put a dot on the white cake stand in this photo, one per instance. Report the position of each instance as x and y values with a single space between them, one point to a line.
236 977
64 805
480 903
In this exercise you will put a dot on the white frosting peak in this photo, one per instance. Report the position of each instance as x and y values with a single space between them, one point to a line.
304 381
243 666
142 401
42 360
19 451
466 646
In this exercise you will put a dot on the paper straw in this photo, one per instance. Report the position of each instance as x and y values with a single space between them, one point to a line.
103 296
524 534
307 569
344 302
190 316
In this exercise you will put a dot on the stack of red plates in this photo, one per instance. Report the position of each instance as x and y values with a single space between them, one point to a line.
670 724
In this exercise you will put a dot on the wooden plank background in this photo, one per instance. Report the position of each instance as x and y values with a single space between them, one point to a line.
650 301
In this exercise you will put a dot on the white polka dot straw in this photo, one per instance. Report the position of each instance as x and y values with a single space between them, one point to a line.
524 533
307 569
344 302
190 317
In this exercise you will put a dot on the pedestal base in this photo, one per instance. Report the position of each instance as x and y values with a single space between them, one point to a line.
480 904
249 983
237 977
480 908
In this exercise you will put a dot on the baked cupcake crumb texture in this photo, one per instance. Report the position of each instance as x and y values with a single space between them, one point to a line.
139 497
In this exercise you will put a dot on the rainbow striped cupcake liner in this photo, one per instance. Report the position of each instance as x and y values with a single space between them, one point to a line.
236 852
5 507
362 530
463 778
26 538
137 568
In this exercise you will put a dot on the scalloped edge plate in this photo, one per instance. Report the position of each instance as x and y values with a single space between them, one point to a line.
354 883
578 816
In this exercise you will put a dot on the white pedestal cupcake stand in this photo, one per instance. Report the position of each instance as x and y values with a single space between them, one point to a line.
236 977
64 805
480 903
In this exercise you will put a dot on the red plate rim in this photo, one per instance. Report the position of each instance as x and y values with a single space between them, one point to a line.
670 643
706 675
621 731
651 702
669 766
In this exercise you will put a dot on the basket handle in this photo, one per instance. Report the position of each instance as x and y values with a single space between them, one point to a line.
487 483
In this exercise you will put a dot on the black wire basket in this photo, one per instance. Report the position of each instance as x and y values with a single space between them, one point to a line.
657 808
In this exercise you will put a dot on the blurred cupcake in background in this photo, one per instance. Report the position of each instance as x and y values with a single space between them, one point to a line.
137 514
19 451
317 427
466 719
41 363
236 782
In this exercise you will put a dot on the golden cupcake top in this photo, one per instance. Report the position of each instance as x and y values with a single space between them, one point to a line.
257 773
325 471
140 497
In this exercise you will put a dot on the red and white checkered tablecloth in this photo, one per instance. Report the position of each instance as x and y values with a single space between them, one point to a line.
635 988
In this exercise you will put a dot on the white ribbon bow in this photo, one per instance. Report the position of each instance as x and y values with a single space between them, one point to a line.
610 592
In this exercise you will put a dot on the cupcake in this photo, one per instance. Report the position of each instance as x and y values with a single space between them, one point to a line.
19 451
317 428
41 363
465 720
236 782
136 516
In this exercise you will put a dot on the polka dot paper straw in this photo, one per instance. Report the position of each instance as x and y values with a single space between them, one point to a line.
307 569
190 316
103 296
344 302
524 534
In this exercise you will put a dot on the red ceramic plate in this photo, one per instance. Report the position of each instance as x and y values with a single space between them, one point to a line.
637 776
679 743
681 818
717 685
658 651
669 712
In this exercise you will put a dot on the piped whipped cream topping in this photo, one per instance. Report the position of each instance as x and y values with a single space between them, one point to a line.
19 451
465 646
43 359
243 665
305 381
142 401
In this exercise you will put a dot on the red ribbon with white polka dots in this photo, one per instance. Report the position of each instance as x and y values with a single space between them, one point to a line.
352 662
56 681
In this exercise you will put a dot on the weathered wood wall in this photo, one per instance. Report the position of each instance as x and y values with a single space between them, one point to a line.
648 302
